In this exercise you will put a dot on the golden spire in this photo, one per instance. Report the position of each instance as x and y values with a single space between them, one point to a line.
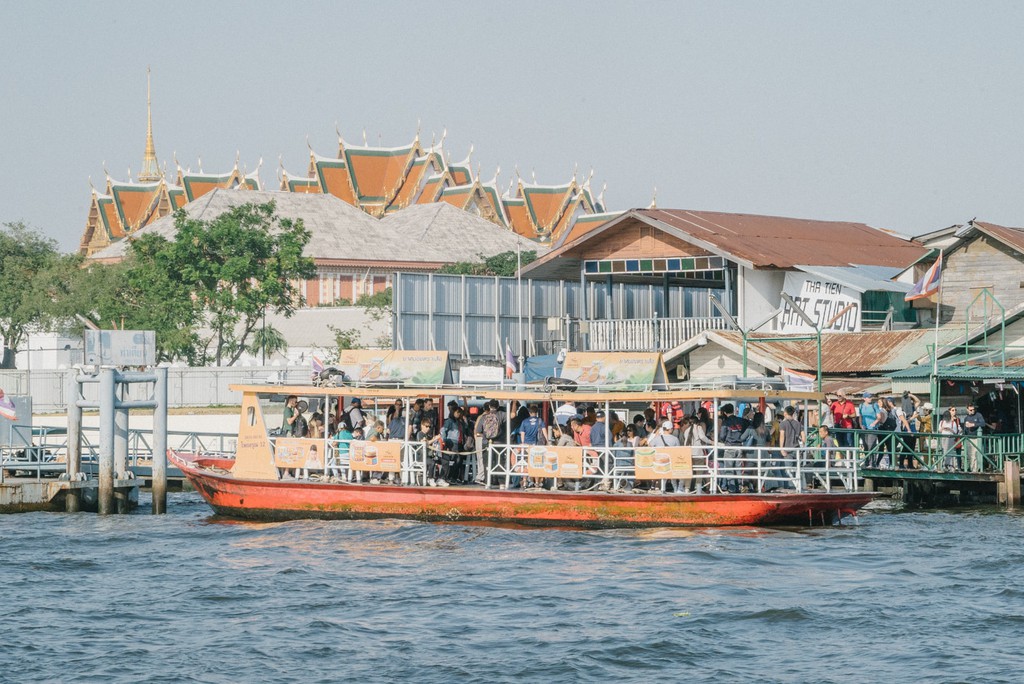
150 169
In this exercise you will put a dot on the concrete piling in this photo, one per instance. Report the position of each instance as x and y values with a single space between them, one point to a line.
106 401
160 442
74 466
121 453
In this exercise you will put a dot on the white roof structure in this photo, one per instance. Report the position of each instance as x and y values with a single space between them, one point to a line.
429 233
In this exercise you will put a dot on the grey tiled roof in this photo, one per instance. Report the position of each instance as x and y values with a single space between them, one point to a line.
427 232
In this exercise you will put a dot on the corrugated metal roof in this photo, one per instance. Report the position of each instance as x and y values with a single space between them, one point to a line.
779 242
1014 237
962 372
865 352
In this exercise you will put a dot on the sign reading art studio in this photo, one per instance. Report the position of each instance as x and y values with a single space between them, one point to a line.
822 301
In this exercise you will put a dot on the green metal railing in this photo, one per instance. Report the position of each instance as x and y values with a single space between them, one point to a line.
937 452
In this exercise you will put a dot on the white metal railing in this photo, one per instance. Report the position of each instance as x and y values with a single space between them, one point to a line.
647 334
715 469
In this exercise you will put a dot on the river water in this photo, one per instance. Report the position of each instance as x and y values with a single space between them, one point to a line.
898 597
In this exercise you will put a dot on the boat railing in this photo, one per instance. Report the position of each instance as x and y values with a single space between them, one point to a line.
712 469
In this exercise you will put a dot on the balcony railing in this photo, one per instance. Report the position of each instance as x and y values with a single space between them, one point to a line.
652 334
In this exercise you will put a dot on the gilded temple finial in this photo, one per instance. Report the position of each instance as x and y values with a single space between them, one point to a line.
150 168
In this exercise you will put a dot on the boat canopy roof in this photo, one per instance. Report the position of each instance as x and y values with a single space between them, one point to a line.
536 393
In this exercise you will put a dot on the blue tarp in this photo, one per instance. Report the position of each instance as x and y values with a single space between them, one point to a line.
536 368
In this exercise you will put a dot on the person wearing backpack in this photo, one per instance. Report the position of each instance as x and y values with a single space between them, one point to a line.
488 430
730 434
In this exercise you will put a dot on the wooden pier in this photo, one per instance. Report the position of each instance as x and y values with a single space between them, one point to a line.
936 487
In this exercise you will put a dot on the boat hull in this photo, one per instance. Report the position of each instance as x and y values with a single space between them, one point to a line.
290 499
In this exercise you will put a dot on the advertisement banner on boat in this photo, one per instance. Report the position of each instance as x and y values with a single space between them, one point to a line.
664 463
377 457
297 452
406 367
833 306
614 370
551 461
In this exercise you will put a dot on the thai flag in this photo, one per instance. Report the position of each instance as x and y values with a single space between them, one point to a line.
7 409
317 367
510 361
929 284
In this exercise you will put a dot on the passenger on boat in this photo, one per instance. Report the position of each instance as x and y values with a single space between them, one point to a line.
396 409
625 459
396 425
436 464
664 436
601 437
354 412
732 426
291 412
338 466
453 436
531 433
565 412
489 428
695 438
639 426
429 413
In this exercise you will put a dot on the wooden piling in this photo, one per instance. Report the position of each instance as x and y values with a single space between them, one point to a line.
1011 478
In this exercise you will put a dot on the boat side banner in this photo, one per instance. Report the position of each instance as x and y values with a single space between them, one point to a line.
614 370
552 461
298 452
400 366
664 463
383 457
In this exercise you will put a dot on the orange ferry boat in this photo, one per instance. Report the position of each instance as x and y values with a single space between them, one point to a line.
281 477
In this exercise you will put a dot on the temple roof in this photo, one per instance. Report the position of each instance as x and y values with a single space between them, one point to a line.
429 233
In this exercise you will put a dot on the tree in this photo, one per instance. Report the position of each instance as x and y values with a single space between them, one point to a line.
34 278
503 264
238 266
267 340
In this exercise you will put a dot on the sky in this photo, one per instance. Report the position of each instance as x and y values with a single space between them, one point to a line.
905 116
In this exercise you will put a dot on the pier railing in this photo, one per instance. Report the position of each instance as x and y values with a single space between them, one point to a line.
973 453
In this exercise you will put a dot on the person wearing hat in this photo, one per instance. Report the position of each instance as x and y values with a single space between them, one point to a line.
355 413
843 414
870 418
601 437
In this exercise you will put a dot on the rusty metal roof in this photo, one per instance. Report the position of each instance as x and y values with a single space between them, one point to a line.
865 352
1013 237
778 242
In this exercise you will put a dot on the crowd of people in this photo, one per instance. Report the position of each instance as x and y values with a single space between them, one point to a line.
456 437
893 431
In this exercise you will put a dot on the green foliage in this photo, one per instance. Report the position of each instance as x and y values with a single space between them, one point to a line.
35 279
503 264
206 292
267 341
239 265
344 339
377 305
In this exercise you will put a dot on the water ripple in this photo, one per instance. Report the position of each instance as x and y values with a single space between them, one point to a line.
902 596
